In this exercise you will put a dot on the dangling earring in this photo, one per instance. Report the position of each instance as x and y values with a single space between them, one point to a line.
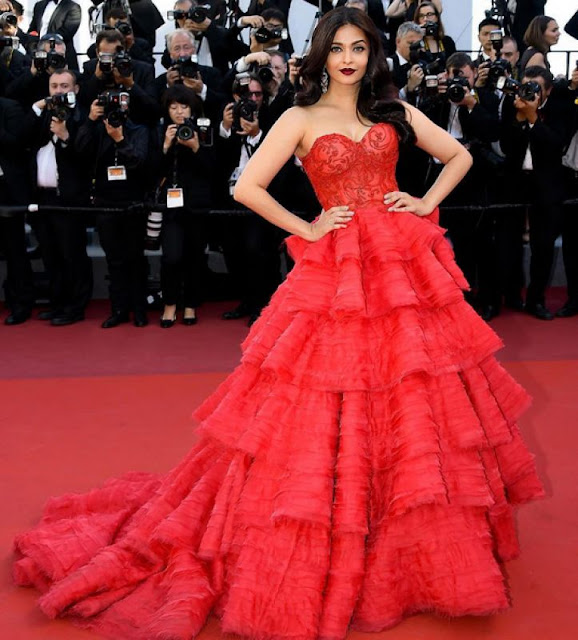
324 81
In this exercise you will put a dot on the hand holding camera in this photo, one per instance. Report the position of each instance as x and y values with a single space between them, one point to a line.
116 133
252 21
249 128
59 129
228 116
96 111
483 74
415 78
294 64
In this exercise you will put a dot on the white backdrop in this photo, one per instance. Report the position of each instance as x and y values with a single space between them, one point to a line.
461 18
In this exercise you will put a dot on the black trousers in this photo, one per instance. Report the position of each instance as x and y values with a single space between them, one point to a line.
19 287
184 261
570 240
251 251
122 238
62 240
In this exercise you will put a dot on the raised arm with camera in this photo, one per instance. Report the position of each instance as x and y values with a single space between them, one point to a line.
185 70
64 20
115 69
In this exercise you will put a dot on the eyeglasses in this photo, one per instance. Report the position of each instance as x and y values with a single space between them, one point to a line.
429 14
257 94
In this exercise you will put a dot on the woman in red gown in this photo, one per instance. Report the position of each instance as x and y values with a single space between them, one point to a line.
362 462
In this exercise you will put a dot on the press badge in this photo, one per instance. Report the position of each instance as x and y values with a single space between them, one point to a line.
118 172
175 198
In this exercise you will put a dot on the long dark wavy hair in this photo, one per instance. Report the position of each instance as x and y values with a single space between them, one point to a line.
376 100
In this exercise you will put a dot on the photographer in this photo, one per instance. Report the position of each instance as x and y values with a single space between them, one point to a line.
31 84
114 69
12 61
14 191
407 75
485 29
184 69
427 16
469 112
215 46
250 245
116 149
536 129
62 17
187 170
62 180
137 48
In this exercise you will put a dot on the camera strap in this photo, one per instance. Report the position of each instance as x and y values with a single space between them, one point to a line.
117 171
175 195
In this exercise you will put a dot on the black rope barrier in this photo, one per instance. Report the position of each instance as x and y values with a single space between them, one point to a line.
8 211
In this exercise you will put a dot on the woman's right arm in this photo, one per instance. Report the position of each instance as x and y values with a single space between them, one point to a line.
537 60
251 189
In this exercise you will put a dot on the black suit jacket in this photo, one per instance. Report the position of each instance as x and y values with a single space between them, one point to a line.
548 139
141 50
13 156
145 19
65 20
144 107
73 170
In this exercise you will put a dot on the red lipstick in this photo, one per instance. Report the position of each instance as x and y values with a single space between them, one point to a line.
347 72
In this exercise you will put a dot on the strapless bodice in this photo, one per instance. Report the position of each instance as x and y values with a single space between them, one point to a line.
356 173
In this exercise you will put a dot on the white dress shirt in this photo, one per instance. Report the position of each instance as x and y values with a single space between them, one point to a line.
46 17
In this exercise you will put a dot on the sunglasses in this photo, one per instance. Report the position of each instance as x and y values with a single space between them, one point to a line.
429 14
257 94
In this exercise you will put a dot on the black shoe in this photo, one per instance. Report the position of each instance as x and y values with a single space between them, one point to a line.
515 304
189 322
539 311
66 318
166 323
118 317
568 310
489 311
240 311
47 315
140 319
17 317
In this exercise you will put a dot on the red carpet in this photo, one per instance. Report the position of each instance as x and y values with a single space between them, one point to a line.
80 404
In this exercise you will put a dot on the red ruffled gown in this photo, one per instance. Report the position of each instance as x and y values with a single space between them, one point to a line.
359 465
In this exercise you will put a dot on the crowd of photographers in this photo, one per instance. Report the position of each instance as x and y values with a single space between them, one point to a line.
152 155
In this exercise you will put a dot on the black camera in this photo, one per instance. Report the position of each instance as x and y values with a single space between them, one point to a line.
200 13
8 41
45 59
245 108
499 67
200 126
263 71
123 64
457 89
8 19
430 63
197 14
121 61
115 104
61 105
124 27
263 35
524 90
431 29
187 66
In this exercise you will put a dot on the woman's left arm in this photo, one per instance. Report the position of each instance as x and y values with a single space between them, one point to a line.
440 144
